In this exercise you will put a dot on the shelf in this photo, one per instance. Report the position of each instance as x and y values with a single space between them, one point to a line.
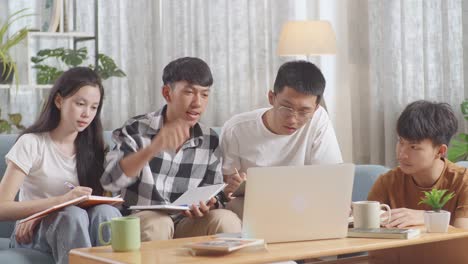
67 40
62 34
26 86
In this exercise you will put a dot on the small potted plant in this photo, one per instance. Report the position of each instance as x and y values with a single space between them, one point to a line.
437 220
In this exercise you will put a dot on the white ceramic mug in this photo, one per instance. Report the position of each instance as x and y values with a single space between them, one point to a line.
367 214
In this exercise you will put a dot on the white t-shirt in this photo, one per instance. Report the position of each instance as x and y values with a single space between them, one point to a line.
46 167
246 142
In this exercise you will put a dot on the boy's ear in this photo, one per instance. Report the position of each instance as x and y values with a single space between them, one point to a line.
166 93
443 150
271 96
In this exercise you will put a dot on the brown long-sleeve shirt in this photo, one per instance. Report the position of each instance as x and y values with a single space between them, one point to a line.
398 190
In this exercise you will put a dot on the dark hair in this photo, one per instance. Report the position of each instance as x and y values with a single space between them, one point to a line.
302 76
193 70
427 120
89 143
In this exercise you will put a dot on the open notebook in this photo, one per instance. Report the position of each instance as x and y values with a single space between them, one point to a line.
84 201
191 196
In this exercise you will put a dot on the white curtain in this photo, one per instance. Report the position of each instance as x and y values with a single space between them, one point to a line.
390 53
401 51
236 38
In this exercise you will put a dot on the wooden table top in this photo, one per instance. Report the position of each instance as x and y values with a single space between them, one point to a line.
172 251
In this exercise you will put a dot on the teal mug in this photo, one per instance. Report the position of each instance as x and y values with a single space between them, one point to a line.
125 233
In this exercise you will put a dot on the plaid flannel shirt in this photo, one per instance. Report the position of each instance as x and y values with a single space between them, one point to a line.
167 175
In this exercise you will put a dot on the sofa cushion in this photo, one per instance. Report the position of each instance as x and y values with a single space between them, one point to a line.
25 256
463 163
364 178
4 243
6 228
6 142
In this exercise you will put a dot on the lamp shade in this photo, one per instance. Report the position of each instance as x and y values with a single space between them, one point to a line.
307 38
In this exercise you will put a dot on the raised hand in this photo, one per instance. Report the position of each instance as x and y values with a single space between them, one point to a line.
171 136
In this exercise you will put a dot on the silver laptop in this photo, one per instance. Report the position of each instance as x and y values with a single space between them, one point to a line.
284 204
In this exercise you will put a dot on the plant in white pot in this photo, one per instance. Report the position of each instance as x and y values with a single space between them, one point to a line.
437 220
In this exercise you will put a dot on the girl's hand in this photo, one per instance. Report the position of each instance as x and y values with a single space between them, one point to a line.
25 231
76 192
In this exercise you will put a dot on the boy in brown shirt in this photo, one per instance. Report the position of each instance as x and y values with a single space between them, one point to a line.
424 132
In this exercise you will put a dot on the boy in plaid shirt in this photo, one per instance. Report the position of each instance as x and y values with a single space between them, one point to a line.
160 155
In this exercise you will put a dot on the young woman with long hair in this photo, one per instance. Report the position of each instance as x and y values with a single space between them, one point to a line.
64 145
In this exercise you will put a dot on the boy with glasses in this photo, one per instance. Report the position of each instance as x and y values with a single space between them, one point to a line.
296 130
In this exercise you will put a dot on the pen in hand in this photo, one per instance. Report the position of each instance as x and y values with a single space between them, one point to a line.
69 185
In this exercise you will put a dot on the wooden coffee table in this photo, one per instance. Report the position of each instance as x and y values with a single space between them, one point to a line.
172 251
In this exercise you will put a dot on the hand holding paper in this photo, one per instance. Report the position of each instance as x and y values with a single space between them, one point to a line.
200 210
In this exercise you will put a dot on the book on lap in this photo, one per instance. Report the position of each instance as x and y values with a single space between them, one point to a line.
397 233
84 201
191 196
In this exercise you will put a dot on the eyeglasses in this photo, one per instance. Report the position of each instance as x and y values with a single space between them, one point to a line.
287 112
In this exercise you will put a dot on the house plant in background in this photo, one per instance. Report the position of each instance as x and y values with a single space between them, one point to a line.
8 68
437 220
12 124
68 58
458 149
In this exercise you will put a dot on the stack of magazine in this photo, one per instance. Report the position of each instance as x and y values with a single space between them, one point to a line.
224 245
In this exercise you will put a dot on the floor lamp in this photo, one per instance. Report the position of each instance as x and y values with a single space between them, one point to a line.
309 38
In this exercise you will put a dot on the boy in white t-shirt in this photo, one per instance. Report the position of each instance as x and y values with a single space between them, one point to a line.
296 130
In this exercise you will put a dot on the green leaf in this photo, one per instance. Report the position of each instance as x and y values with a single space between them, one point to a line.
74 57
46 74
5 126
464 108
15 118
458 150
7 42
436 199
463 137
446 199
107 67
